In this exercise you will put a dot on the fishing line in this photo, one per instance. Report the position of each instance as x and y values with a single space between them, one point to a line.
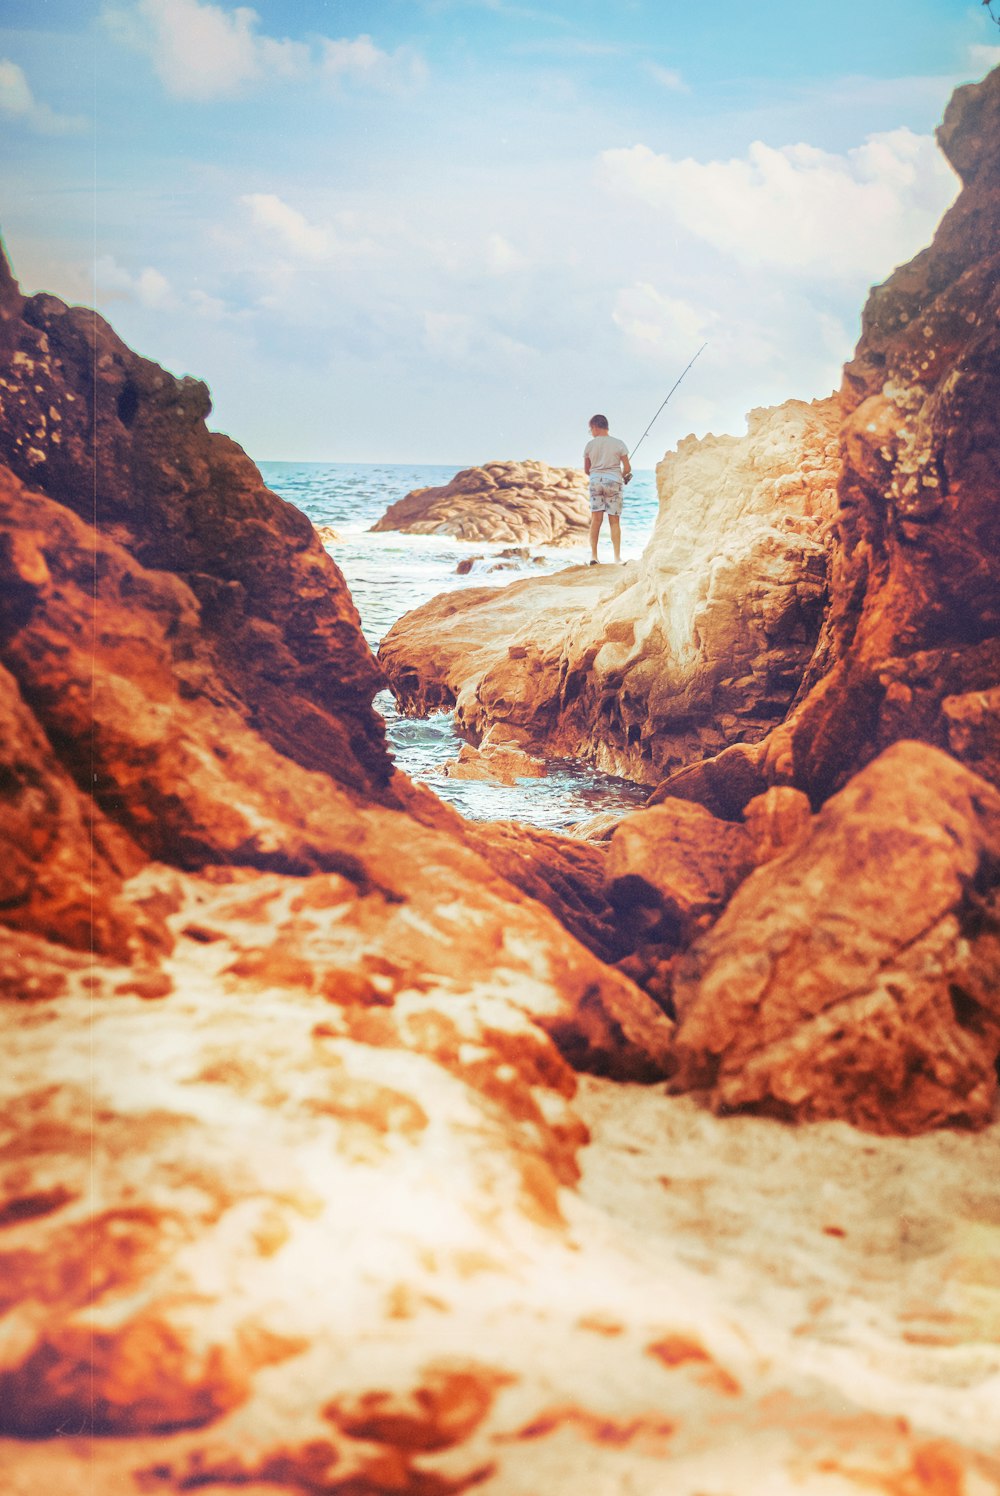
652 423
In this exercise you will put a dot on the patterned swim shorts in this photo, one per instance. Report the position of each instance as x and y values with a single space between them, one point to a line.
606 493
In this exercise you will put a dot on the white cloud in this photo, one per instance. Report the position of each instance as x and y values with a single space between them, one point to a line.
983 58
797 207
292 228
204 51
362 61
112 282
466 338
668 78
656 324
17 102
502 257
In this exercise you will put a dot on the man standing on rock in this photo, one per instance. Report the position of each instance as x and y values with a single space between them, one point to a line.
605 460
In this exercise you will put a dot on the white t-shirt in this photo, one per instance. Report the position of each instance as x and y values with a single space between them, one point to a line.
605 453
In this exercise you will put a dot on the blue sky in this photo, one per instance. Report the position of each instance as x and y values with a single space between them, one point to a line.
449 230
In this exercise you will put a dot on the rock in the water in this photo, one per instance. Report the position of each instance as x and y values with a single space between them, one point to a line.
327 534
501 501
701 643
499 763
857 975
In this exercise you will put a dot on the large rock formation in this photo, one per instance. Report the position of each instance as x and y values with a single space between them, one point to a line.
701 643
911 641
124 446
502 501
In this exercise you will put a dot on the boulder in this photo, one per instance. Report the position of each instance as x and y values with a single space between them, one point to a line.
857 974
503 501
678 859
496 763
701 643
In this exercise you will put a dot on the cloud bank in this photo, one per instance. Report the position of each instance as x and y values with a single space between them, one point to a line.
18 103
203 52
797 208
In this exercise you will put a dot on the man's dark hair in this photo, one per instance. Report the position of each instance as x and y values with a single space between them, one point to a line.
601 421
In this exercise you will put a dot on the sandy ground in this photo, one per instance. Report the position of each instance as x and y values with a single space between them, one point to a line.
865 1268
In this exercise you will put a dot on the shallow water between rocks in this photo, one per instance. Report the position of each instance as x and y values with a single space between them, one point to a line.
390 574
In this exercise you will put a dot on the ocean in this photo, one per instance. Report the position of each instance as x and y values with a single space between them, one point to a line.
390 574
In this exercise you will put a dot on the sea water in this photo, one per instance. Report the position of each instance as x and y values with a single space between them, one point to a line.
391 573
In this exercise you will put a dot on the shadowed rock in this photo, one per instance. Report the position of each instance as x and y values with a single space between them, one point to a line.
124 445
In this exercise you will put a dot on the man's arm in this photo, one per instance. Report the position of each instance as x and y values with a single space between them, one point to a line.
626 469
586 462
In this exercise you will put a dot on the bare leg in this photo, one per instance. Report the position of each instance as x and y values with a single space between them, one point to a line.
615 526
595 530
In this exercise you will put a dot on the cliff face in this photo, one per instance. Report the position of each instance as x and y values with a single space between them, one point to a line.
702 642
911 643
915 621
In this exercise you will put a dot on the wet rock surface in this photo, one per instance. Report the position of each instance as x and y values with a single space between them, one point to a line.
500 501
702 642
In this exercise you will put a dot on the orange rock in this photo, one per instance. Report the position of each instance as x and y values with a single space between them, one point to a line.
776 820
678 859
104 432
857 975
910 646
451 1400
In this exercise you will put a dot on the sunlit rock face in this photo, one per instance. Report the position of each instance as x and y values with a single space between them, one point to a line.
501 501
911 644
702 642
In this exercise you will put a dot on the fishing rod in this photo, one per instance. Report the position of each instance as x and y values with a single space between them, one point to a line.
652 423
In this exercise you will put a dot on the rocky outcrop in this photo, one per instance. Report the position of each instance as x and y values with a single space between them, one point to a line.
857 974
702 642
124 446
911 642
519 502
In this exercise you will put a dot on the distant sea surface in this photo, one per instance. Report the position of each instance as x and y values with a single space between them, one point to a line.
390 574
